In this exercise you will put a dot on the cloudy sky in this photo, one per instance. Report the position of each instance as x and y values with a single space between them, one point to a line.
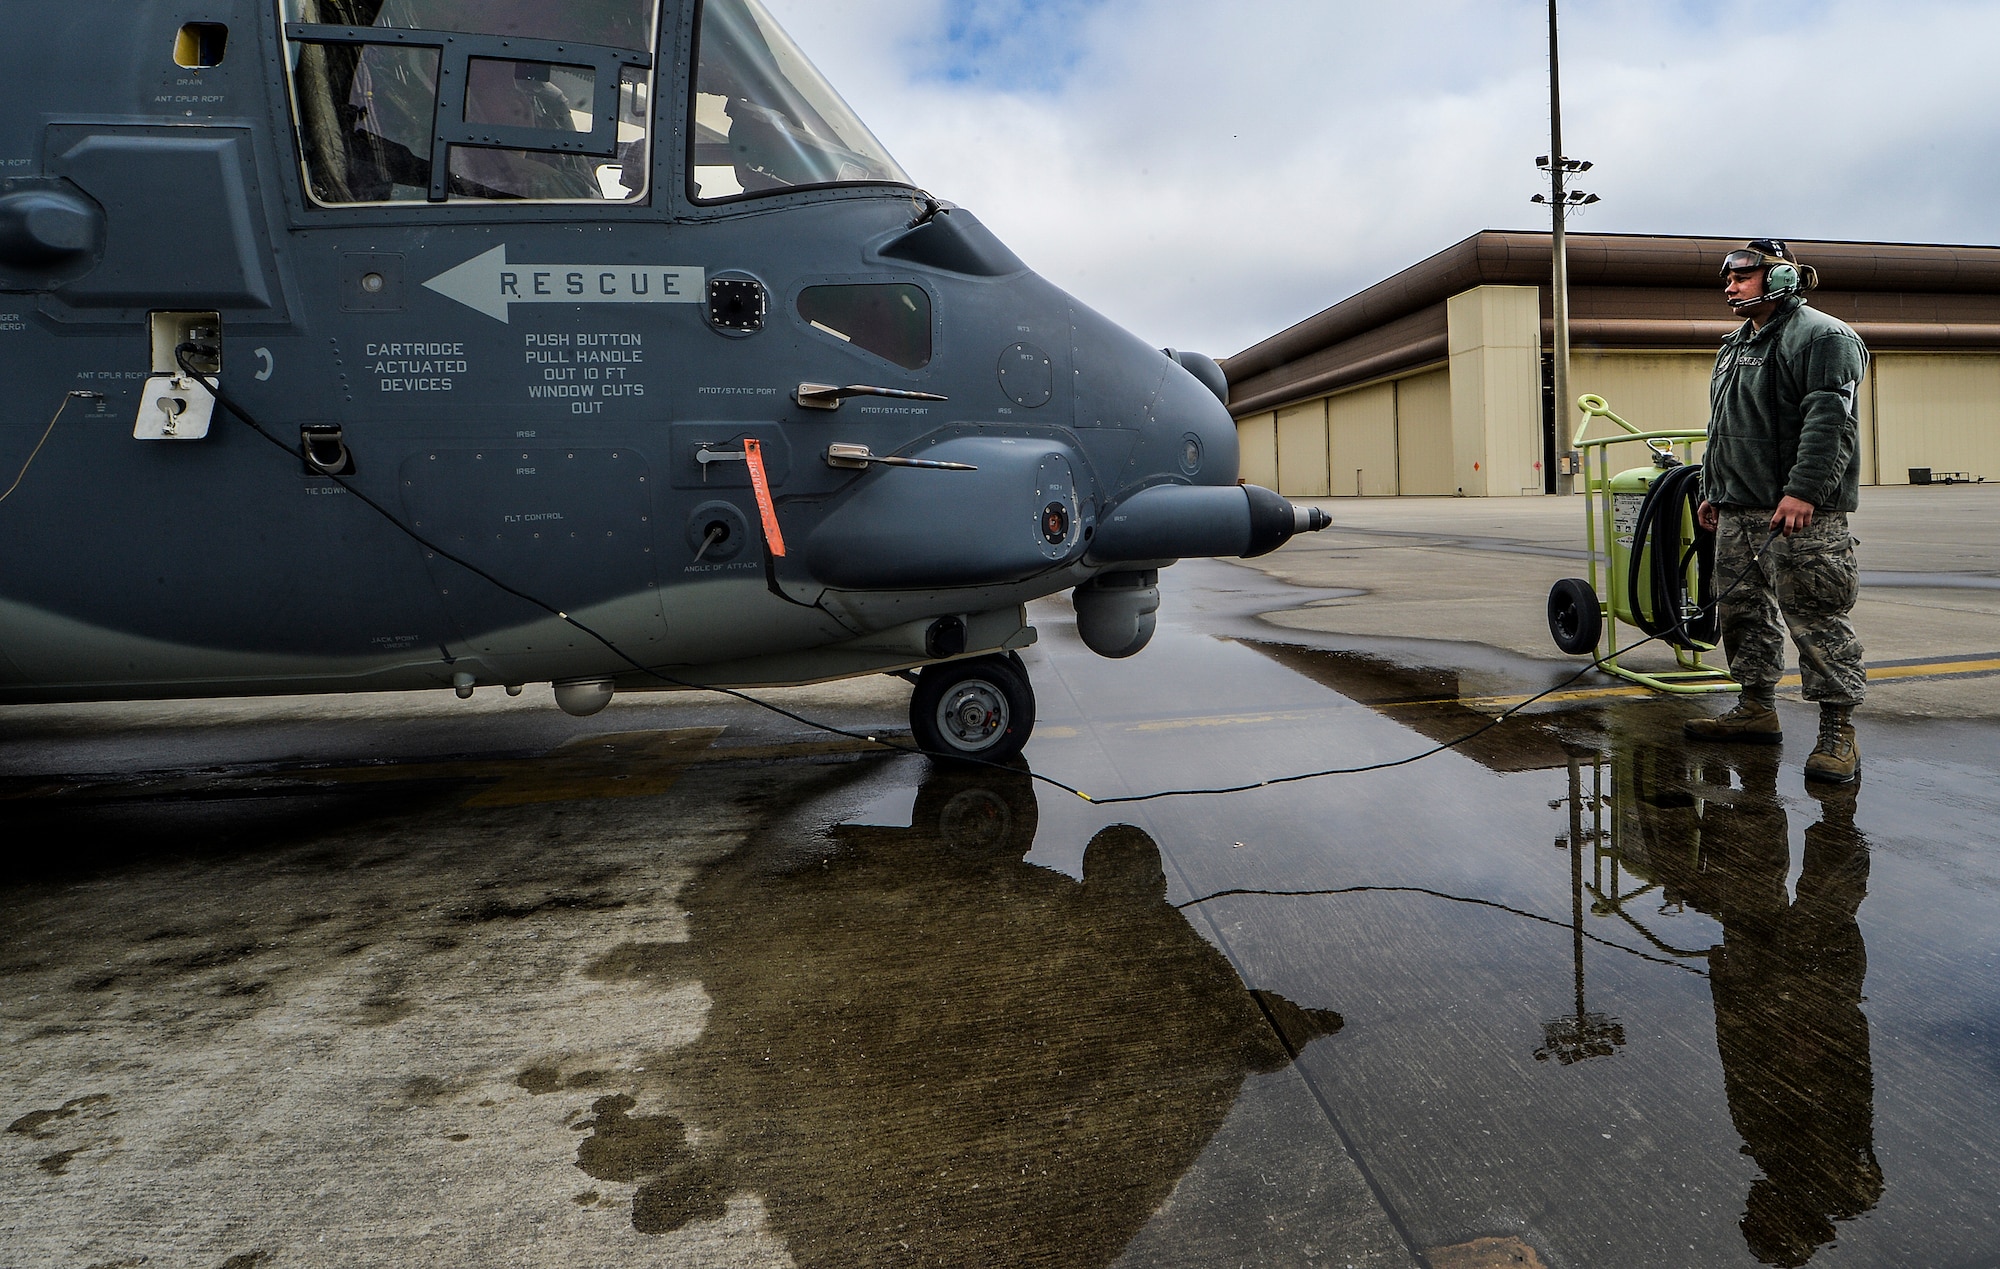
1209 172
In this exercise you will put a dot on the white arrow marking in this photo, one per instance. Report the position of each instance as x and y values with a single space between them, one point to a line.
488 283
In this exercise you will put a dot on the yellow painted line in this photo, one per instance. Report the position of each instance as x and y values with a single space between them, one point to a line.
1876 674
1576 694
1929 669
1217 720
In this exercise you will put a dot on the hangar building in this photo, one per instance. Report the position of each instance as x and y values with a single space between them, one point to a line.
1437 380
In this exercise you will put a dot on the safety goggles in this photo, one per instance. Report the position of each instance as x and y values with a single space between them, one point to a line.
1745 259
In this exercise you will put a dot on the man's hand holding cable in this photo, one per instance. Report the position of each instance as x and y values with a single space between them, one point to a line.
1792 515
1708 515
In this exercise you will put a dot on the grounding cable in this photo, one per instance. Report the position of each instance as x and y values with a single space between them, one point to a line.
224 400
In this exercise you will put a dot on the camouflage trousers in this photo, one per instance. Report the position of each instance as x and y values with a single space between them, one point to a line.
1811 578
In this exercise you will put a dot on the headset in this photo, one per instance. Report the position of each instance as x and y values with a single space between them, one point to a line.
1784 276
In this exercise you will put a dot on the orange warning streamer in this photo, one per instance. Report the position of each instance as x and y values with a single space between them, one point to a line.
753 455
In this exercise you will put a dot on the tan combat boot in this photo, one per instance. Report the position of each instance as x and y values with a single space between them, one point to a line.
1836 759
1748 721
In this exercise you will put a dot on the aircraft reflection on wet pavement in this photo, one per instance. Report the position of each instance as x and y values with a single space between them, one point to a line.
918 1047
925 1050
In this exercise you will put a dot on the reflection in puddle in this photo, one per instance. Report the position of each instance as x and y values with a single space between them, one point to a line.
1711 832
1659 829
922 1049
1427 701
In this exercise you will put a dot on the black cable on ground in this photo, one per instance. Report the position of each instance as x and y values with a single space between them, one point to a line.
1435 749
222 399
1373 766
1469 900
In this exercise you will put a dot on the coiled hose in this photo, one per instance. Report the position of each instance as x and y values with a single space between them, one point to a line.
1657 558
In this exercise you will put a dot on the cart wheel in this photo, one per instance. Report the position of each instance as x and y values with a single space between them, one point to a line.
1575 617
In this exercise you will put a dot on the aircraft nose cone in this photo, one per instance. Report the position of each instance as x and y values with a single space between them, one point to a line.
1192 423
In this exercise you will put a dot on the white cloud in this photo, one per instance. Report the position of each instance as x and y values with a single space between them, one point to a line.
1208 174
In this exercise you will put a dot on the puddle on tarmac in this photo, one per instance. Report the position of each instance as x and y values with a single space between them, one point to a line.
906 1044
1425 700
1745 955
922 1049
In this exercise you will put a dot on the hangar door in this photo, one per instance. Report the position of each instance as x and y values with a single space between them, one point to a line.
1423 434
1653 391
1361 436
1937 411
1302 471
1257 443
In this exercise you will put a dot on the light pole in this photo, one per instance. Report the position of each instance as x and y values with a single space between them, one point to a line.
1573 1038
1560 198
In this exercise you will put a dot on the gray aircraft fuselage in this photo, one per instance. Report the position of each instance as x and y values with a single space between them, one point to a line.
558 393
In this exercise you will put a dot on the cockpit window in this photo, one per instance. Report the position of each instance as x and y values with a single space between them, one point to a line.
765 120
890 319
472 99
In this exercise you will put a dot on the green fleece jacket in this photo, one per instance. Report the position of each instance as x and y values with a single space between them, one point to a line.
1782 417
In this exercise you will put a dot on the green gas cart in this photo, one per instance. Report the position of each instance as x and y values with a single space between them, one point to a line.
1649 560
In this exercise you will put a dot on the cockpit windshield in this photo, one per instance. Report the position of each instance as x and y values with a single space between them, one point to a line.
765 119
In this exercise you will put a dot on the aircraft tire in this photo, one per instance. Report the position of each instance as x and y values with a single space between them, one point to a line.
982 708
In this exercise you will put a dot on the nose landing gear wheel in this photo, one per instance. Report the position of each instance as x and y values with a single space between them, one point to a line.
1576 618
983 708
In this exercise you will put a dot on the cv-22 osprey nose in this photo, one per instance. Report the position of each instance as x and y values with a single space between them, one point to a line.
1146 476
1178 497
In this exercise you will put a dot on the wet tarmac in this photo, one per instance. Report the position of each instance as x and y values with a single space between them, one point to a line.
384 981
